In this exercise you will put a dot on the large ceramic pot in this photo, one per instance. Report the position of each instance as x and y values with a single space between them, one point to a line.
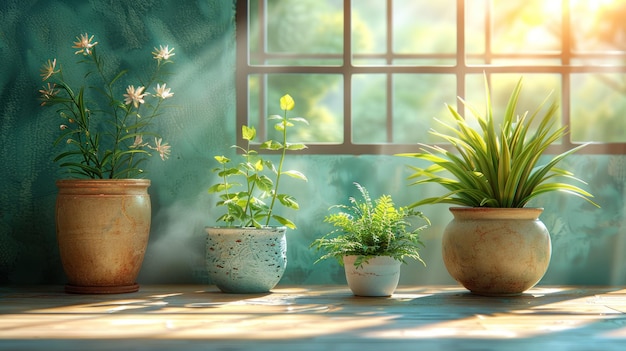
246 260
496 251
378 277
102 232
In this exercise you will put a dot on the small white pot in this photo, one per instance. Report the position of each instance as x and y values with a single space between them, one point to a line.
378 277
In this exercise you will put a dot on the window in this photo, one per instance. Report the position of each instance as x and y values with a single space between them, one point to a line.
371 75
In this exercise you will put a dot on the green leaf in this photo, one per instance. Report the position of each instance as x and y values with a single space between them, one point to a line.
295 174
216 188
264 183
299 120
271 145
284 221
228 172
296 147
222 159
288 201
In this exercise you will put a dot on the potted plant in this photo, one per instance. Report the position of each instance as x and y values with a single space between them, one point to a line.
495 245
373 241
103 209
248 255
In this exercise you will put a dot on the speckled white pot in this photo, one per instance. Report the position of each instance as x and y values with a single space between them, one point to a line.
496 251
246 260
378 277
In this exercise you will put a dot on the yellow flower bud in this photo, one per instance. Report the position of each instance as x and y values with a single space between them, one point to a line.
287 103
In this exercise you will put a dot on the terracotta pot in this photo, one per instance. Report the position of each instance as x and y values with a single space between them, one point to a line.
246 260
496 251
378 277
102 232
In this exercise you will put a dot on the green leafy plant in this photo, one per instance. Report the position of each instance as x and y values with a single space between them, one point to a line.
371 228
245 201
496 167
102 130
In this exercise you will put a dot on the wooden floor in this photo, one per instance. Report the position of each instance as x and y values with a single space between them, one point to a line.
313 318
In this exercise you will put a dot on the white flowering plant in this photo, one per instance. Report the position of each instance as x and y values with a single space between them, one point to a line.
103 128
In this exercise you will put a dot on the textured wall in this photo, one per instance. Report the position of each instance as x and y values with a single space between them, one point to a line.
589 245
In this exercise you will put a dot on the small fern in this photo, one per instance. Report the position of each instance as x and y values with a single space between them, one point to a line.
369 228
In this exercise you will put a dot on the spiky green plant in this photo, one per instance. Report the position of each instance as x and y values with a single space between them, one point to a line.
371 228
496 167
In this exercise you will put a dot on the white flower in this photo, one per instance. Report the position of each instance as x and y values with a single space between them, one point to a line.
164 53
162 92
84 44
47 93
47 70
162 149
134 96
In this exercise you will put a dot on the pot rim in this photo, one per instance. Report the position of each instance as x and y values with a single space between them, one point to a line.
497 212
239 227
383 257
103 187
98 182
225 230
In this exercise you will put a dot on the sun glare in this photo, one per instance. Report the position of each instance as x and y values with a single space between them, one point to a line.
592 5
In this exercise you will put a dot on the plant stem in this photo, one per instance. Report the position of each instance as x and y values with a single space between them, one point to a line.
280 169
250 187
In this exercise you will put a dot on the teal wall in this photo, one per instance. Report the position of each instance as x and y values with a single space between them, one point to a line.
589 245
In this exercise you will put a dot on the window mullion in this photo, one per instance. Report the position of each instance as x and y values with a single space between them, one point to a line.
461 59
348 68
566 54
389 80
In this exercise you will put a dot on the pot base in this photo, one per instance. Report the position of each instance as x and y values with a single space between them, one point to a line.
75 289
495 294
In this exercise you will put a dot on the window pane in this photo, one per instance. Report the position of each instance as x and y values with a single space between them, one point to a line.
369 32
424 32
475 31
369 104
597 107
296 32
417 100
522 32
319 99
598 27
526 26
